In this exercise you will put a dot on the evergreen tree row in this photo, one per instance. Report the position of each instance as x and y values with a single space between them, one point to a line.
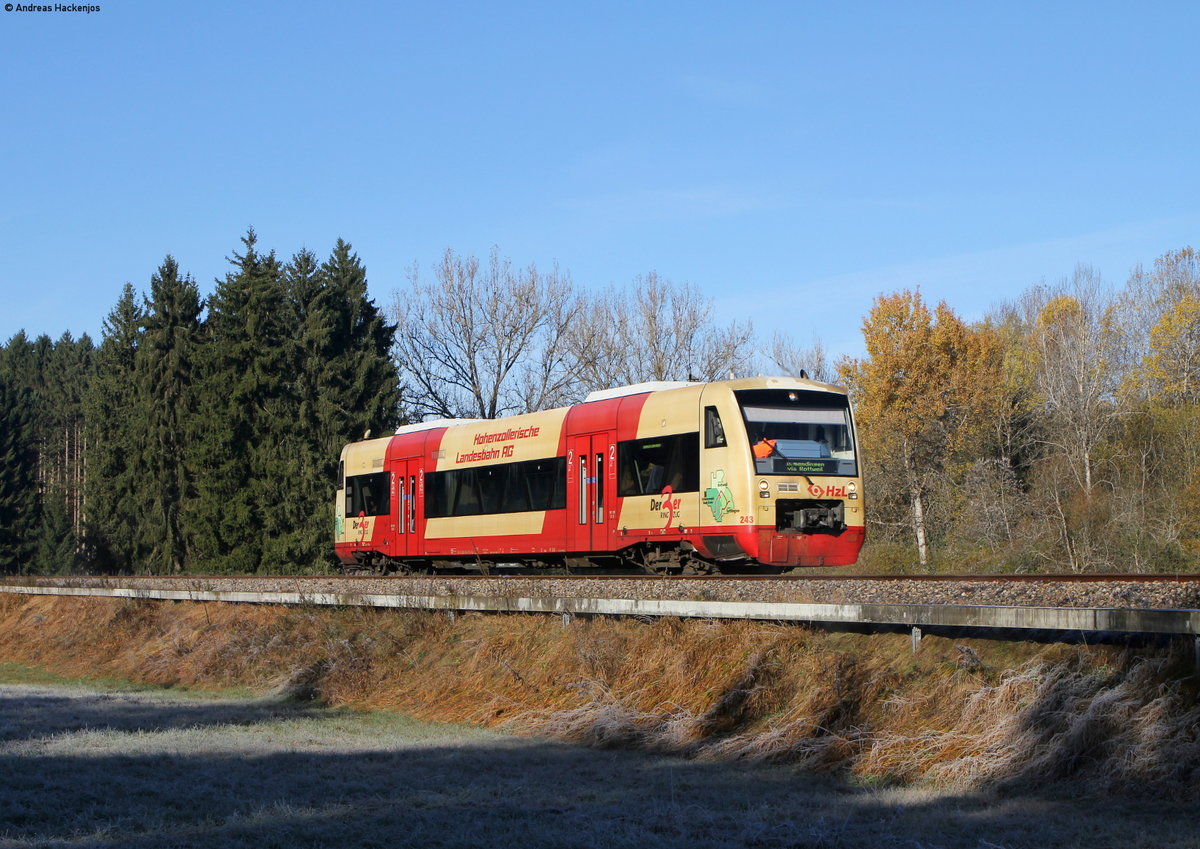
198 436
42 440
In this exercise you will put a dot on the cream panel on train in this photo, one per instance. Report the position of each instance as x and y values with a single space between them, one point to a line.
510 440
497 524
657 472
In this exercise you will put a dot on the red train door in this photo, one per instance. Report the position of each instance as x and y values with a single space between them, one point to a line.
591 491
406 483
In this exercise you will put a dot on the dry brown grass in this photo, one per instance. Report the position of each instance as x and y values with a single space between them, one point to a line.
973 714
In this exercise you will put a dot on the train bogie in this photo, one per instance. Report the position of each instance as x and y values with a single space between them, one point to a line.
732 476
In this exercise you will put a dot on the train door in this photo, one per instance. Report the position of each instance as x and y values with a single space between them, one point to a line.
404 485
591 491
727 497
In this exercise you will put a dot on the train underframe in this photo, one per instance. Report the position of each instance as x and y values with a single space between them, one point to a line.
675 557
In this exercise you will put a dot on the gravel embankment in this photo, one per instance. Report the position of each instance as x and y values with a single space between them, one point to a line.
1116 593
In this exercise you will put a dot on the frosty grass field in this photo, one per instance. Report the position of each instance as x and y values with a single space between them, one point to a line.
85 766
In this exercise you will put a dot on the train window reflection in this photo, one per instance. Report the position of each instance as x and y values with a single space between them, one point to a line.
648 466
714 433
532 485
799 432
368 495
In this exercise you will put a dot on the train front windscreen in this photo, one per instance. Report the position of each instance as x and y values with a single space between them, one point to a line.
799 432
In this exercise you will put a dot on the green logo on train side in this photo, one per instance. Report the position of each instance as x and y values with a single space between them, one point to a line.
718 497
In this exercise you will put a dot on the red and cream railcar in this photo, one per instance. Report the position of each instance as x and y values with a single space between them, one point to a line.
738 475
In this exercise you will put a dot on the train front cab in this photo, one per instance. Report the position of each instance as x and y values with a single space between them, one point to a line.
364 510
780 482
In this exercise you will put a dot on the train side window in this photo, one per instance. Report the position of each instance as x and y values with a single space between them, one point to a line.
403 493
492 481
546 481
515 498
437 497
368 495
648 466
714 433
600 488
341 478
583 483
504 488
451 494
466 494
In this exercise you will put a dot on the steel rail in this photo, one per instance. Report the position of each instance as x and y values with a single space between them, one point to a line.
988 577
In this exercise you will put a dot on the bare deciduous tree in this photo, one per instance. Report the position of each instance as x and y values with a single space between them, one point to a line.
485 340
1154 320
1149 295
658 330
1073 362
790 358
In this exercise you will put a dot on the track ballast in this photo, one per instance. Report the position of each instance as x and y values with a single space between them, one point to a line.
1141 591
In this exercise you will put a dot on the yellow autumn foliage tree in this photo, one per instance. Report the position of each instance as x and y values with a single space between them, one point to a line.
1171 372
926 397
1173 363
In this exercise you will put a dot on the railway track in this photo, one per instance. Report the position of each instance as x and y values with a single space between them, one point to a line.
1136 591
1024 578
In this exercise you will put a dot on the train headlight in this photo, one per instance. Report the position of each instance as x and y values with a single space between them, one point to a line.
852 489
764 489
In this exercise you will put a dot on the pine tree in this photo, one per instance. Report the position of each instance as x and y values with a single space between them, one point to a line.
243 412
24 366
58 550
165 365
346 384
115 434
54 377
288 456
67 372
363 383
19 361
20 513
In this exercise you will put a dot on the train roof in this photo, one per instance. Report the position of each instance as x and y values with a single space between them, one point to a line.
435 423
781 382
638 389
377 446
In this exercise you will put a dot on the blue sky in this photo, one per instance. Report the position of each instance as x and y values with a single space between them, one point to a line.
793 160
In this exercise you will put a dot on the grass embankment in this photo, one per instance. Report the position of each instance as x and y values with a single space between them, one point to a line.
959 713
